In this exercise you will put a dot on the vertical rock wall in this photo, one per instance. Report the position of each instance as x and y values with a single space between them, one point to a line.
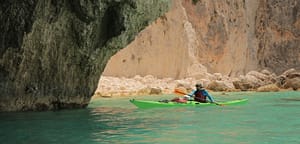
238 36
52 53
277 33
222 32
160 49
231 37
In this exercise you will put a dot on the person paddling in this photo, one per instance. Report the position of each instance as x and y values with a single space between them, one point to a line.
200 95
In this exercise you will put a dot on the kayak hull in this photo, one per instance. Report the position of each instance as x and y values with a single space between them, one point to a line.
156 104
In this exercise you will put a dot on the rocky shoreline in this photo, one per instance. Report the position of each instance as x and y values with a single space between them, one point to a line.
262 81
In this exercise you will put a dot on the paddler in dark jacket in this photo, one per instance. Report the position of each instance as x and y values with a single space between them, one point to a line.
200 95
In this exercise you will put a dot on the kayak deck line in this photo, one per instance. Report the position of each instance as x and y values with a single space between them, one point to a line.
154 104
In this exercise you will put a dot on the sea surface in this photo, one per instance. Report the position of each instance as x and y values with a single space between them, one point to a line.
267 118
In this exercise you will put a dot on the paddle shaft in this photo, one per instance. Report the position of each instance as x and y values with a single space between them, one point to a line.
183 93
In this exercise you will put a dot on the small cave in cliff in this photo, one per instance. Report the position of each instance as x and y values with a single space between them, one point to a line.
112 23
16 18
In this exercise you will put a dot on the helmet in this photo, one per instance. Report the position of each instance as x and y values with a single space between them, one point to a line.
199 85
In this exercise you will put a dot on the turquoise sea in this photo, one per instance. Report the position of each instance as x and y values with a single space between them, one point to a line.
267 118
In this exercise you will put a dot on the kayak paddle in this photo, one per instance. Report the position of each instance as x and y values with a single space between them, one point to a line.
180 92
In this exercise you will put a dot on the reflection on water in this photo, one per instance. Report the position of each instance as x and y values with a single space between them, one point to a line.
123 126
290 99
266 118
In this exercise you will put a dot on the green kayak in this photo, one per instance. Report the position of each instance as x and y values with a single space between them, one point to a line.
156 104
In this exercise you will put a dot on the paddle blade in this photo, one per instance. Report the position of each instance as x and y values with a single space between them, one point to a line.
179 92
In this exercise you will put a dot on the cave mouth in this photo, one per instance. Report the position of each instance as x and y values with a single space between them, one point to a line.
112 23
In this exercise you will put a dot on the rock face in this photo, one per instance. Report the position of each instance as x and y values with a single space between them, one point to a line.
52 53
166 48
278 35
231 37
159 50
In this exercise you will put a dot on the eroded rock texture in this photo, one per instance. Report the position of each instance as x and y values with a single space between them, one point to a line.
52 53
237 36
231 37
277 32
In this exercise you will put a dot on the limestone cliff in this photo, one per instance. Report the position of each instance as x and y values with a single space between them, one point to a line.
231 37
52 53
160 49
277 31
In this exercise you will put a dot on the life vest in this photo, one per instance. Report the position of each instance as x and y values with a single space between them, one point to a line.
199 97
